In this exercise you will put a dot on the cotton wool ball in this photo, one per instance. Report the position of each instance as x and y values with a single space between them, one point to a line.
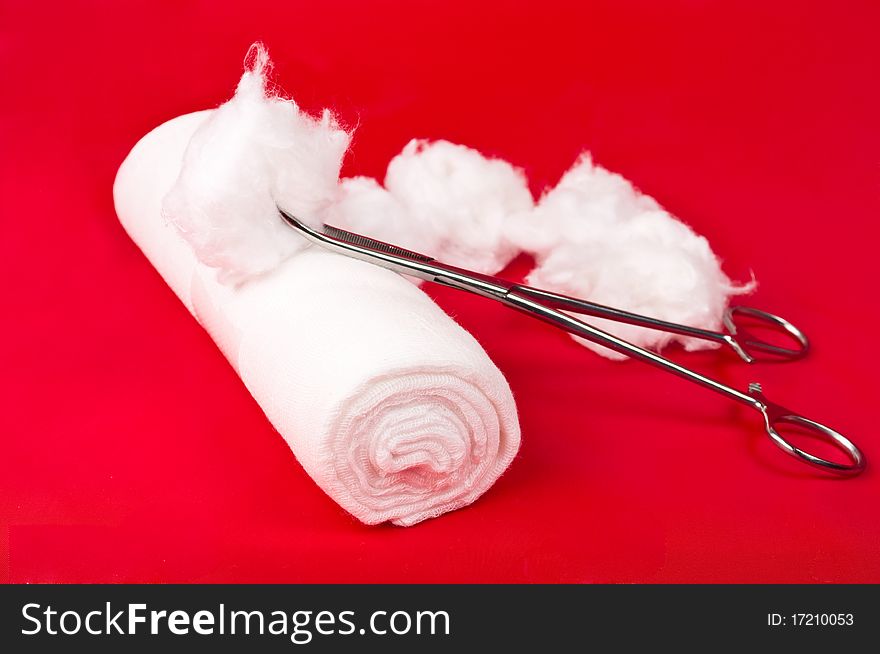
462 198
254 152
597 237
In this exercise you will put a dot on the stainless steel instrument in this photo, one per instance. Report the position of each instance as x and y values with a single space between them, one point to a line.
552 308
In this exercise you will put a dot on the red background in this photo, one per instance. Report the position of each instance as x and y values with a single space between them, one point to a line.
131 451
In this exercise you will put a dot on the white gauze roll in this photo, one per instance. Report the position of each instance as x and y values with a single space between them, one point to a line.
391 407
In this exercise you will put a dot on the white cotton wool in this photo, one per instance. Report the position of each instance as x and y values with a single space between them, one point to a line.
595 236
458 202
255 151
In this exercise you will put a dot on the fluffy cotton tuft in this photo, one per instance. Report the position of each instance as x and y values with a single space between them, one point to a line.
593 236
462 199
442 199
255 151
597 237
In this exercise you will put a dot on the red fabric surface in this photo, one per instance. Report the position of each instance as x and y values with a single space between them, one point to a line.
132 452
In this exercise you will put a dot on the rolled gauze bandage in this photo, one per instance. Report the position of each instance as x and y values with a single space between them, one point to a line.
390 406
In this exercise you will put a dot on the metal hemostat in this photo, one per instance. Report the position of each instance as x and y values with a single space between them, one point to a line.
552 307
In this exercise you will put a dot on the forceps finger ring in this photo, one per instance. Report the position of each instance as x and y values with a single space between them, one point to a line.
775 415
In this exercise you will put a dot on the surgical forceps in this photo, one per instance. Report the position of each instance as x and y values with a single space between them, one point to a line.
552 307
